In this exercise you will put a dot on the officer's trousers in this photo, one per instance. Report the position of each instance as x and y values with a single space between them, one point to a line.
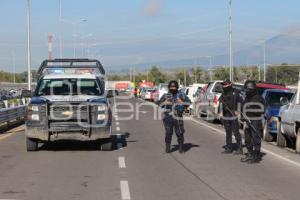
232 126
253 136
174 124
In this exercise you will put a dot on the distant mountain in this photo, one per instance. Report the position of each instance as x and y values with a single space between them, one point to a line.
284 48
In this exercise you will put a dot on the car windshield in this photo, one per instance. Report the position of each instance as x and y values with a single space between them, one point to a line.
68 87
164 87
274 98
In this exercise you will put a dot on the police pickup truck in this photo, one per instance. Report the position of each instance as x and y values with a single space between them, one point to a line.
69 103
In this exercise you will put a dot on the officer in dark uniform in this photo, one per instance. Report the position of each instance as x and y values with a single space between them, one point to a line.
174 104
229 103
253 111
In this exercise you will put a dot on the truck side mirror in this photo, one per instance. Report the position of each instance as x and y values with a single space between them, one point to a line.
110 94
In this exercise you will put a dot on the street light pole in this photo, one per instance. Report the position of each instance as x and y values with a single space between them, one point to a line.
265 67
230 42
14 65
61 30
28 44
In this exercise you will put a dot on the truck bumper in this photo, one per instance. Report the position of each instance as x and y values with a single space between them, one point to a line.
39 133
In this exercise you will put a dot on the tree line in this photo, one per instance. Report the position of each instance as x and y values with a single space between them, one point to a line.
286 74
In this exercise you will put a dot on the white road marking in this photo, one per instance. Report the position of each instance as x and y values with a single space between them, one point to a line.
125 193
117 123
118 128
122 164
263 149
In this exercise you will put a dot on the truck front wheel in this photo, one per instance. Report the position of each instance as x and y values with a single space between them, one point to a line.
281 140
266 134
31 145
298 141
106 145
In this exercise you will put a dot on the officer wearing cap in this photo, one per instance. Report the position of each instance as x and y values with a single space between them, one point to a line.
228 114
253 111
174 104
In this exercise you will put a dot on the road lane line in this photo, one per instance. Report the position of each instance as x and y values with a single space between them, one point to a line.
117 123
125 193
122 164
263 149
7 135
118 128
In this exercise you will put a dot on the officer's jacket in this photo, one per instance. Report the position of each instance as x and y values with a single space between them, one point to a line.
172 105
230 102
252 103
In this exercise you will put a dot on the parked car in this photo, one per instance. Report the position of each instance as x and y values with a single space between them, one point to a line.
262 86
209 105
153 95
146 93
192 92
272 98
289 123
162 89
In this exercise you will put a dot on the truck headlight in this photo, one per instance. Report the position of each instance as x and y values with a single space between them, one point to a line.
34 108
101 107
101 117
35 117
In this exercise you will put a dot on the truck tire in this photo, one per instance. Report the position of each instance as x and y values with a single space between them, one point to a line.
298 141
266 134
106 145
31 145
281 140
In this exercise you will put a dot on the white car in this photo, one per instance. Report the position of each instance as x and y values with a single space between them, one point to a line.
191 91
162 89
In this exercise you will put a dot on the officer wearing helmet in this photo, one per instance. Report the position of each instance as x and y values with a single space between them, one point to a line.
174 104
252 113
228 114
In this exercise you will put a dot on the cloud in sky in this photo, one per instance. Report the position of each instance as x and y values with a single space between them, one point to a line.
152 7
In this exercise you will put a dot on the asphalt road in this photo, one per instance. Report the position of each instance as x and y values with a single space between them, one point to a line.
139 169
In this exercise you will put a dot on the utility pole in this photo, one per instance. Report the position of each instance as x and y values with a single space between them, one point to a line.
50 37
259 71
61 30
14 65
184 74
265 67
28 44
230 41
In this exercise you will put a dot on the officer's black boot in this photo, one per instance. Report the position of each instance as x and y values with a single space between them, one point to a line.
248 156
168 148
180 147
239 150
228 150
256 158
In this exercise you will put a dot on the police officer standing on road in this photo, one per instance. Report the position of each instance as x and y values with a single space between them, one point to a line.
174 104
252 114
228 114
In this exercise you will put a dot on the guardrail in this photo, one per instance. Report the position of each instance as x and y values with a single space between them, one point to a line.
10 116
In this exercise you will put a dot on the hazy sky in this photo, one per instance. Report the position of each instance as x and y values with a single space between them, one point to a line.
124 32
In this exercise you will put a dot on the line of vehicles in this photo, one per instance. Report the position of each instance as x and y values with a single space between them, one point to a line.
282 114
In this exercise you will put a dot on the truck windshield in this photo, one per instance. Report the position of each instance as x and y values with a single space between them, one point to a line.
68 87
274 98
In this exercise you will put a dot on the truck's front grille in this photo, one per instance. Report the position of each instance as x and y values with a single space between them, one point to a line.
68 112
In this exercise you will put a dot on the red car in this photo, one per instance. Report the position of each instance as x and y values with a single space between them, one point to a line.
262 86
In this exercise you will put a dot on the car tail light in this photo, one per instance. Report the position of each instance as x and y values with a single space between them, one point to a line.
216 99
